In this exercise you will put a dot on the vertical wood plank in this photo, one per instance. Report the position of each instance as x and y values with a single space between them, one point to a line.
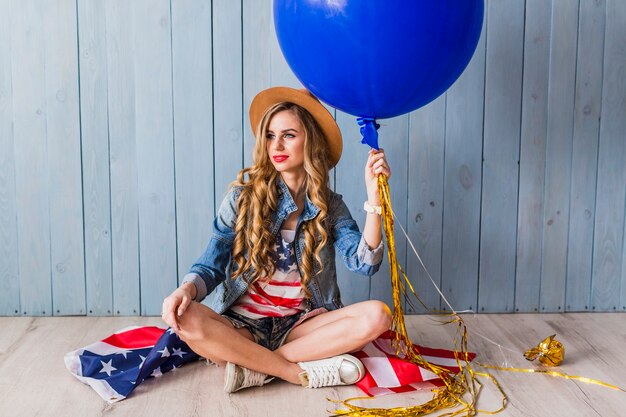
462 183
9 273
228 112
95 155
427 129
617 119
257 40
532 154
349 183
193 128
155 159
31 157
65 181
623 277
559 154
611 187
588 98
394 139
281 74
122 149
505 29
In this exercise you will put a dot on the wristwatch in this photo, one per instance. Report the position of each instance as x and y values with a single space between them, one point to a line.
372 209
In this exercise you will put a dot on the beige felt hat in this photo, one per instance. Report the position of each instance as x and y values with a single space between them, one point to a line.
274 95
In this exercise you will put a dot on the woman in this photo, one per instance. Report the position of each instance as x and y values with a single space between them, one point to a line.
271 259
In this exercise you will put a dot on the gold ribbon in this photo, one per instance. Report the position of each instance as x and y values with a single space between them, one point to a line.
554 374
464 387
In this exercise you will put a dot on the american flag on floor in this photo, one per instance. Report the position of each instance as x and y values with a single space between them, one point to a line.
115 366
388 374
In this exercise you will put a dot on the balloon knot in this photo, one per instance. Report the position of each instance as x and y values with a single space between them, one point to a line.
369 131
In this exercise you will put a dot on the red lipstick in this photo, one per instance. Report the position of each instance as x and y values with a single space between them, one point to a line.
279 158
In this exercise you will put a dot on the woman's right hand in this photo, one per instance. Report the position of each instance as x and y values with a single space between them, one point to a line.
176 303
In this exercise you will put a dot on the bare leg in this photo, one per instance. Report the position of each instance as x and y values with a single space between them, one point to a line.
213 336
329 334
345 330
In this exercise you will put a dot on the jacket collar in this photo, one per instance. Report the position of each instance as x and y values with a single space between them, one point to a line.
286 205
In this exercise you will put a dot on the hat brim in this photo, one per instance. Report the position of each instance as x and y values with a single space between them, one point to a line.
274 95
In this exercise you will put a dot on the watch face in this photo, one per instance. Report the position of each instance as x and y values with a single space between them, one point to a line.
372 209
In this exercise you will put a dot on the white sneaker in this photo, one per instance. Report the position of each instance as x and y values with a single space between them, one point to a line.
338 370
237 377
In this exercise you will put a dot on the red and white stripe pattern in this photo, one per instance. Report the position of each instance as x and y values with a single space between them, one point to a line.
280 296
386 373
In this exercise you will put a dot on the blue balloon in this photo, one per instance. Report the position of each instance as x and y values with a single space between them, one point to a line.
378 58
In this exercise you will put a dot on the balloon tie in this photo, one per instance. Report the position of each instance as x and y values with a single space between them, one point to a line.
369 131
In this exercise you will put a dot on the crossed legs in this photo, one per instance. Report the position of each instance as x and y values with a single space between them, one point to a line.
339 331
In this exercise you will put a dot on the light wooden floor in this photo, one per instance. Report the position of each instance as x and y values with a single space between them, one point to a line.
34 381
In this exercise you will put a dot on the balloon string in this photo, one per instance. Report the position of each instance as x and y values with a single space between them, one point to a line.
505 367
419 258
460 388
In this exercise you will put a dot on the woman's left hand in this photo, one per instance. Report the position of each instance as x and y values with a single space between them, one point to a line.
376 164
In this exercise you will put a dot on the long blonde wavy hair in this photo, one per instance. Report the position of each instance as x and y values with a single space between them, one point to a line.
259 199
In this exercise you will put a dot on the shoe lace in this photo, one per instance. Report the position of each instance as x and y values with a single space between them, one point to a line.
252 378
323 376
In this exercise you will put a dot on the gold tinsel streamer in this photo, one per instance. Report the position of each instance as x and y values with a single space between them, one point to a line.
462 388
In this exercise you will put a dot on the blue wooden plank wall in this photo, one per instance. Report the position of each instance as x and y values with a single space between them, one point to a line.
122 124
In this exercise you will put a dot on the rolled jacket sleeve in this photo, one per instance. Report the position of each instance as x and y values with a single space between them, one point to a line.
370 256
198 282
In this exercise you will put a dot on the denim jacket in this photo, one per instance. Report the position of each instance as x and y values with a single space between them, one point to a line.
212 271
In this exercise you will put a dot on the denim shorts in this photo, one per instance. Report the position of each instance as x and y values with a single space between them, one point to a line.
270 332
